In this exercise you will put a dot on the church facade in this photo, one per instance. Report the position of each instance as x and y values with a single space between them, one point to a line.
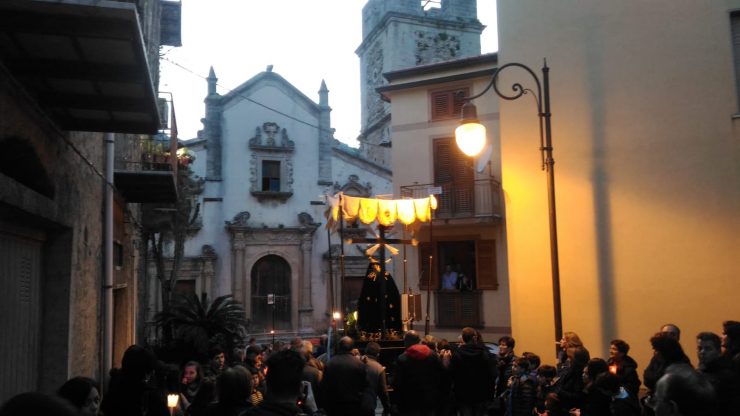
268 156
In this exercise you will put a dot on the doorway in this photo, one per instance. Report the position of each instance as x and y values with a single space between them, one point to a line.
271 294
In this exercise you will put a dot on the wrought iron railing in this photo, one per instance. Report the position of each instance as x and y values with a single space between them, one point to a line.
464 199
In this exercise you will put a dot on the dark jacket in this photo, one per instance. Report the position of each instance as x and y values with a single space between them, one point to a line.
417 379
376 387
522 396
343 385
570 388
627 373
129 397
473 375
726 384
504 373
656 368
231 409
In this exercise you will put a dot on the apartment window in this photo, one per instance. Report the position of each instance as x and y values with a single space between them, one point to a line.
447 104
270 176
735 28
453 172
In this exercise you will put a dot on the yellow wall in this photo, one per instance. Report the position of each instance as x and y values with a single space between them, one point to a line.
647 171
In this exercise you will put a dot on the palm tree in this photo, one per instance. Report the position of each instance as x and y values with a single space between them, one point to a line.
196 325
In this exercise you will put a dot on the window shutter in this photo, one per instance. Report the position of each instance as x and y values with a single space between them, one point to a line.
486 264
735 28
426 250
448 104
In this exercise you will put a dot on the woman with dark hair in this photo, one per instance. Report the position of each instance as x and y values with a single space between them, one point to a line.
570 386
731 343
233 388
666 351
595 401
624 366
83 393
568 344
190 380
33 403
129 391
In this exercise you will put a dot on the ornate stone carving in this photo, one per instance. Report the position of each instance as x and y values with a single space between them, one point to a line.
354 187
240 220
274 138
435 47
306 220
208 251
374 79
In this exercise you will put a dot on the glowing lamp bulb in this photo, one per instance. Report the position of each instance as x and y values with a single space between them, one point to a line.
336 315
470 138
613 369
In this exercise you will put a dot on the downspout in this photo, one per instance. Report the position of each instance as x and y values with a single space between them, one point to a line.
108 266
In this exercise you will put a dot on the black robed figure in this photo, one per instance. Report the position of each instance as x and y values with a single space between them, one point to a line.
370 305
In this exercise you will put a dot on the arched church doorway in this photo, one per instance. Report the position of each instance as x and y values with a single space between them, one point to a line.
271 294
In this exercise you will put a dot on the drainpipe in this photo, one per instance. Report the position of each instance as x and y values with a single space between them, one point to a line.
108 274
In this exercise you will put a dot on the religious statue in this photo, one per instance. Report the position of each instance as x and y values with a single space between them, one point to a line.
369 311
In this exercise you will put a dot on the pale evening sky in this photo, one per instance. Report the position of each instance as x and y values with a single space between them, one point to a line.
305 41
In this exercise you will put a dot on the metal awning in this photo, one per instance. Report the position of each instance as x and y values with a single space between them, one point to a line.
83 61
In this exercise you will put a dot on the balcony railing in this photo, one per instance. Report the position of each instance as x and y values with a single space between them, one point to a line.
468 199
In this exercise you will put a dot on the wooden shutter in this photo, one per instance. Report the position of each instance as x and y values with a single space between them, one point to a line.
454 173
485 251
447 104
735 29
426 250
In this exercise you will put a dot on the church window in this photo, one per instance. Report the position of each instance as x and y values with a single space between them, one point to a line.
448 103
271 175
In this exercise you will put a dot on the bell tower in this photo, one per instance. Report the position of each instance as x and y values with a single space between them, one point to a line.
401 34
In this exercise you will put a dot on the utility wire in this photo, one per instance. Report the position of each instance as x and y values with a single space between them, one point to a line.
230 90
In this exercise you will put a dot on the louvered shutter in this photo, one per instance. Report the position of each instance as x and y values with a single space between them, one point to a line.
486 265
735 27
443 175
426 250
447 104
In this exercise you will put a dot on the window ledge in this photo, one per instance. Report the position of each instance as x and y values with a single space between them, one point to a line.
270 195
736 116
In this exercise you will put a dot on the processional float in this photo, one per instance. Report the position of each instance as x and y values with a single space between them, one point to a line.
382 313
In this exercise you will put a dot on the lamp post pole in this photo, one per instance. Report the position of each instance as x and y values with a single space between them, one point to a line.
542 98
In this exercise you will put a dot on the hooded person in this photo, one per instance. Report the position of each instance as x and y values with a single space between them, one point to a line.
473 373
417 378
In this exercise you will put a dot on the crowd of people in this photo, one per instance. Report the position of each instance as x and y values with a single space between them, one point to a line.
430 377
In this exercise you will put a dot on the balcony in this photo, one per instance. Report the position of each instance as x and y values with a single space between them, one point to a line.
478 199
147 171
458 309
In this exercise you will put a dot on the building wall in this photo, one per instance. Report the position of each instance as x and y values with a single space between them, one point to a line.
647 171
413 136
223 200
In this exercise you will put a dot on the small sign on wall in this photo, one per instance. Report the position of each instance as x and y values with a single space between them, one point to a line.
270 298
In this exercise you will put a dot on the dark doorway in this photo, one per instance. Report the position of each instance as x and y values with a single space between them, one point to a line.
271 294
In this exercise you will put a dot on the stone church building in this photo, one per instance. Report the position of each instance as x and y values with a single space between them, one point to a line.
268 155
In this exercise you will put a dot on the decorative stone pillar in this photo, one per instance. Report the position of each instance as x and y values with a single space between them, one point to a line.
238 277
208 270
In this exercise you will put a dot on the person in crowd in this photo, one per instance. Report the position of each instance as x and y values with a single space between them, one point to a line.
624 366
233 388
33 403
681 391
130 392
608 398
666 351
83 393
310 373
376 381
449 278
257 390
283 392
522 390
570 385
731 343
546 384
417 378
321 348
203 398
672 330
595 401
504 366
473 375
534 362
568 343
218 361
238 354
190 381
344 382
253 359
310 359
718 369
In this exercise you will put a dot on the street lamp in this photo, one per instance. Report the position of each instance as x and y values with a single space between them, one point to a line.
468 136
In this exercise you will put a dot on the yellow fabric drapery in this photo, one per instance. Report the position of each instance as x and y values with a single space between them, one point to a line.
385 211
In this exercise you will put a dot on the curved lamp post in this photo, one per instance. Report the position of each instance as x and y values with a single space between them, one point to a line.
471 137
